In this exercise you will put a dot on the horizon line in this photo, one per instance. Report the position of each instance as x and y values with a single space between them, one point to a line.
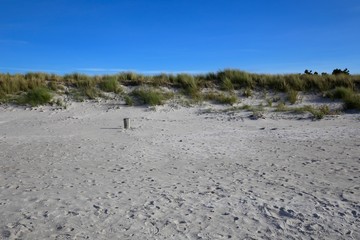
105 71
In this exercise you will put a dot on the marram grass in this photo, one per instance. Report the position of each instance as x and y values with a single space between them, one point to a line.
81 86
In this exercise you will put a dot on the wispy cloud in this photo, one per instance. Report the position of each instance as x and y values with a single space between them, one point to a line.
92 71
171 72
114 70
103 70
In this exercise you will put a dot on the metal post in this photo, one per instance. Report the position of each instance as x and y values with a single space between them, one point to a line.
126 123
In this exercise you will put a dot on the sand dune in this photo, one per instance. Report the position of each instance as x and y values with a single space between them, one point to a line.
178 173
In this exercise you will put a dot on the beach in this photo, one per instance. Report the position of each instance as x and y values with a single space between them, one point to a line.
177 173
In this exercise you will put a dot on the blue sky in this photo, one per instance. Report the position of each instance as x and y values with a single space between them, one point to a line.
108 36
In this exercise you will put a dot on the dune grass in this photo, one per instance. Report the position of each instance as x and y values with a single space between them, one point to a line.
352 102
220 98
150 96
188 84
227 85
292 96
239 79
110 84
350 98
80 86
128 100
13 84
339 93
248 92
317 112
36 96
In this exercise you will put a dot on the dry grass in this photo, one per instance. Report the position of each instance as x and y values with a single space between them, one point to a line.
81 86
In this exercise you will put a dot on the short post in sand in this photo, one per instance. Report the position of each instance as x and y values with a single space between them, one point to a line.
126 123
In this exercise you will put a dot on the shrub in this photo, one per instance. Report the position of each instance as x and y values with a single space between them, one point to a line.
37 96
339 71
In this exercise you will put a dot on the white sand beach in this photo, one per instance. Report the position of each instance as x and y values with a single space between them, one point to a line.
178 173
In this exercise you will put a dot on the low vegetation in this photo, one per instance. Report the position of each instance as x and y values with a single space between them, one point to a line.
150 96
292 96
350 98
317 112
128 100
226 87
36 96
110 84
220 98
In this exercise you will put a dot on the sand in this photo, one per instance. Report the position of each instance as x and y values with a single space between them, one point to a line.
178 173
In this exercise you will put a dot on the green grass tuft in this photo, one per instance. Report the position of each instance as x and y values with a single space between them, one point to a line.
340 93
110 84
151 96
348 96
227 85
220 98
281 107
238 78
37 96
292 96
352 102
189 85
128 100
248 92
91 92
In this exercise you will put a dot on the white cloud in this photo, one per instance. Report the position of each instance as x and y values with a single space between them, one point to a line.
151 72
172 72
102 70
